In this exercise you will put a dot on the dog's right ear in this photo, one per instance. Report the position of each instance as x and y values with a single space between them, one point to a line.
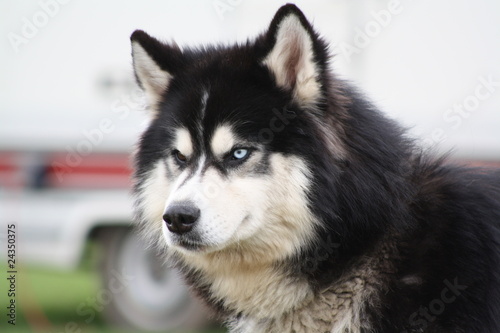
296 56
155 64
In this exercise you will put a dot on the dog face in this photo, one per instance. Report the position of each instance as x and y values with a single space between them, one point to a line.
224 162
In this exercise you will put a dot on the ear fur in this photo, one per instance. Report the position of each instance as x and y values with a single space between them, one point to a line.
154 64
292 58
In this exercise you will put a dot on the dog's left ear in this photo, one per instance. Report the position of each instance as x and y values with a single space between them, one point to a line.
295 55
155 65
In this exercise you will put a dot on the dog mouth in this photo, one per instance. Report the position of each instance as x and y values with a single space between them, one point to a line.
190 245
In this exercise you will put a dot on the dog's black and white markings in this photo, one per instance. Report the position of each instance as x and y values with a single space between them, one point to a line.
292 205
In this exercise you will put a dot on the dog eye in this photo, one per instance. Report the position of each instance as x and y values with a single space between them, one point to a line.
180 157
239 154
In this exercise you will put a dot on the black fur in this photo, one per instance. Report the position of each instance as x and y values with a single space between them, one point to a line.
440 222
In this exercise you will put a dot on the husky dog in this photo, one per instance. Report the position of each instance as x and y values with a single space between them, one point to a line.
290 204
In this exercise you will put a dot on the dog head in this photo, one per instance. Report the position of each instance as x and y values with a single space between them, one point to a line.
226 160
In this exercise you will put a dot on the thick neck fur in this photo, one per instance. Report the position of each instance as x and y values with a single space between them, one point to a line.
241 283
267 297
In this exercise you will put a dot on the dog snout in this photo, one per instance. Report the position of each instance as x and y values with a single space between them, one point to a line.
181 217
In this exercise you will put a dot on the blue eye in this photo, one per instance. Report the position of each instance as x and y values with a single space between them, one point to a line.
240 153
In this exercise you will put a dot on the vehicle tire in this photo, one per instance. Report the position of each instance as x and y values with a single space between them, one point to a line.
144 293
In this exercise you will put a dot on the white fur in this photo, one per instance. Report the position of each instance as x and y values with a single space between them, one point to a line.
204 99
183 142
223 140
151 200
335 310
292 38
153 79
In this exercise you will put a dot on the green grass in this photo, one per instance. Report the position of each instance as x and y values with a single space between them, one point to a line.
47 301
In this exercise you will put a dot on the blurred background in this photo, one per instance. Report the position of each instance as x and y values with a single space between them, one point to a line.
70 113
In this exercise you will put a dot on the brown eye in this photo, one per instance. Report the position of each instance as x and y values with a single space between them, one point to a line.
181 158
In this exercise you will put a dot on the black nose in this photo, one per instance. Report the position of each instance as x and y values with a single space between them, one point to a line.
180 218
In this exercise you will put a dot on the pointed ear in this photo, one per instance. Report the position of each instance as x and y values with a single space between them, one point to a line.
154 63
293 57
